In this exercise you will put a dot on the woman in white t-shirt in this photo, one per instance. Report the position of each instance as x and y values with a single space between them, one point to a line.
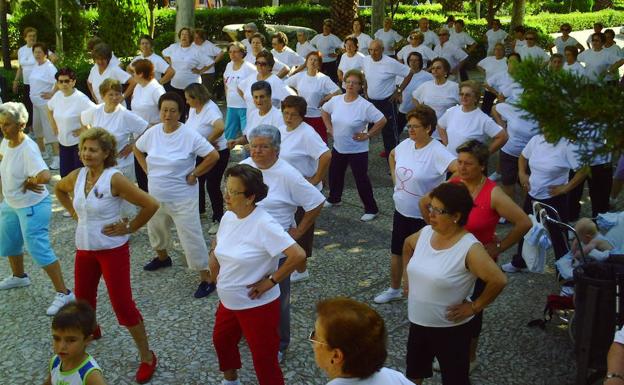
417 165
415 62
598 61
490 66
163 72
245 264
95 195
571 63
494 36
303 148
443 263
363 40
104 69
171 149
258 41
26 209
64 111
42 88
349 341
565 40
206 118
329 45
416 40
466 121
235 72
316 88
347 118
209 50
389 37
351 59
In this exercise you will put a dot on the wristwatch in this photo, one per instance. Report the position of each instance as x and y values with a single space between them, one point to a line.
128 227
614 375
270 277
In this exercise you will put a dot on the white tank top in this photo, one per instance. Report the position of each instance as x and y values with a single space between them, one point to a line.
77 376
96 210
437 280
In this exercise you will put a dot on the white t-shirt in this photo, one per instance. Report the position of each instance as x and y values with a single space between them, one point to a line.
504 84
576 68
560 44
381 76
248 250
302 148
288 57
170 159
463 126
493 38
183 61
17 165
349 118
160 65
209 50
121 123
304 49
596 62
389 39
417 172
426 53
288 190
535 52
407 103
452 53
350 63
247 45
312 89
26 61
66 111
273 118
461 39
519 43
492 66
519 128
145 101
550 164
327 45
41 80
279 90
277 66
437 280
204 122
96 78
232 78
384 376
431 38
363 43
619 336
439 97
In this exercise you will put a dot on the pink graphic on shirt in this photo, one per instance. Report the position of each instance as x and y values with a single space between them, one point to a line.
404 174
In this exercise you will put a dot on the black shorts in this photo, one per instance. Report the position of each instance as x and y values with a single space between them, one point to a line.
508 168
403 227
477 320
451 345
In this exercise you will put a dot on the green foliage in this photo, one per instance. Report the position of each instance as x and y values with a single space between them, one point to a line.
576 110
121 23
583 5
555 7
550 23
81 63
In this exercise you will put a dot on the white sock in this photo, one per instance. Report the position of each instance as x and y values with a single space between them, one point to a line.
228 382
395 290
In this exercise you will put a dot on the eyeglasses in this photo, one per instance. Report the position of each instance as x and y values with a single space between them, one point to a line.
413 126
312 338
64 81
435 210
466 94
233 193
352 83
261 64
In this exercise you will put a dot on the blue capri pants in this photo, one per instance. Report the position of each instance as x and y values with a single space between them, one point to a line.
27 226
235 122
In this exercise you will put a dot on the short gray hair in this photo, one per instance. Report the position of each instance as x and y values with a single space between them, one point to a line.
266 131
251 26
16 111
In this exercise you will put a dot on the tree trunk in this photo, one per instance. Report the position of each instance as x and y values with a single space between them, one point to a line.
517 13
4 32
377 16
185 15
342 13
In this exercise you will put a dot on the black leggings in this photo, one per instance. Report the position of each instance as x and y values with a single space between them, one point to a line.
211 181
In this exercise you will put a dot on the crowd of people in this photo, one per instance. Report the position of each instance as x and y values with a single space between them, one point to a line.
150 140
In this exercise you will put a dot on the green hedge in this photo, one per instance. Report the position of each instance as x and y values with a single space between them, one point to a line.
550 22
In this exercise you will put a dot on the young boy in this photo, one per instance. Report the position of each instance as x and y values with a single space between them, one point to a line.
72 331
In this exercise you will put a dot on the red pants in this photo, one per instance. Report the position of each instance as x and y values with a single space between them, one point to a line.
319 127
259 325
114 265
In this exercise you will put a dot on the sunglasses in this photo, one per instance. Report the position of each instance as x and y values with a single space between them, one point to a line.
65 81
261 64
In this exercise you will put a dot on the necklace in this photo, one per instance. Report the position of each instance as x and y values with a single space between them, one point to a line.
89 183
474 192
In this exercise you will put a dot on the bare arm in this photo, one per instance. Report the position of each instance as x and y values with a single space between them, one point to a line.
323 167
130 88
523 176
392 165
95 377
443 135
377 127
480 264
498 141
166 77
615 363
409 245
294 257
140 157
55 129
217 131
90 87
328 123
128 191
63 190
18 76
508 209
34 183
206 165
578 178
308 220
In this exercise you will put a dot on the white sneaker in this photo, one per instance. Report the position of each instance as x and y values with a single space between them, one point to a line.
388 295
329 204
509 268
213 228
66 214
226 382
368 217
473 365
55 164
296 276
435 365
280 356
12 282
495 177
60 300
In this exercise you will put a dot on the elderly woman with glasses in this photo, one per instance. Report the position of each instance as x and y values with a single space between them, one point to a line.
64 111
350 344
264 64
452 53
251 255
565 40
441 263
532 50
206 118
598 61
258 41
351 59
288 190
416 40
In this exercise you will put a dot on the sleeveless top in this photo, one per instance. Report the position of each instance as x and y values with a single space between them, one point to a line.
437 280
96 210
483 218
77 376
